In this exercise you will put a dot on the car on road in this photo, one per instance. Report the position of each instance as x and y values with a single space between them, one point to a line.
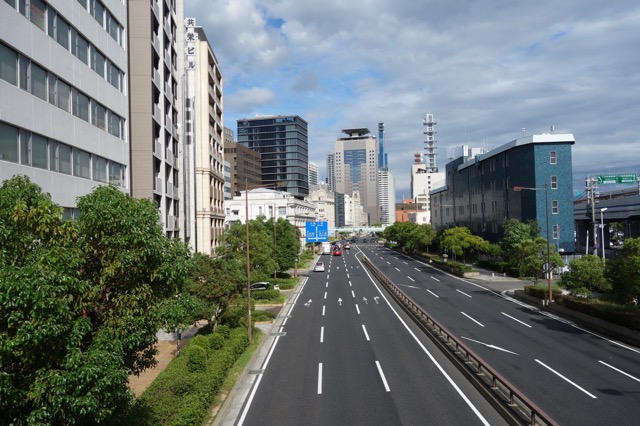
337 252
347 246
319 267
264 285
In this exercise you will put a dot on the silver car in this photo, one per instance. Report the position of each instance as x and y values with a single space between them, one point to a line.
319 267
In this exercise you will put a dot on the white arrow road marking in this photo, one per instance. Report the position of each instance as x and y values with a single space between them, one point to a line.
564 378
365 332
472 319
411 278
488 345
515 319
406 285
320 379
322 334
433 293
308 303
340 301
620 371
468 295
364 299
434 278
384 379
376 299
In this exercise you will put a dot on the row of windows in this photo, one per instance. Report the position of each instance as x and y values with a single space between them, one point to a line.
30 149
49 21
555 208
20 71
106 20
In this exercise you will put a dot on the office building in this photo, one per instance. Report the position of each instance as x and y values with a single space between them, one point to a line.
478 192
356 169
245 166
313 174
203 162
283 143
331 177
63 96
155 71
387 196
422 182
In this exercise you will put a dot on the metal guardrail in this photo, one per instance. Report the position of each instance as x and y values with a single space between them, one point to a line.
512 404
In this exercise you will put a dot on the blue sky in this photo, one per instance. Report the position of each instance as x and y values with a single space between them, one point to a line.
485 68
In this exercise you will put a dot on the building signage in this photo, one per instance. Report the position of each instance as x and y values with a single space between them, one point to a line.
317 232
191 37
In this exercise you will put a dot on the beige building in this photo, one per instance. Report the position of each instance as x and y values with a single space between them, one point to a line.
203 152
245 164
155 101
423 181
325 206
354 214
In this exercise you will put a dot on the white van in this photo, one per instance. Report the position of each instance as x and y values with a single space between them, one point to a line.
326 248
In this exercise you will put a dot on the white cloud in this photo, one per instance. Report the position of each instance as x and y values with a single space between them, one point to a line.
485 68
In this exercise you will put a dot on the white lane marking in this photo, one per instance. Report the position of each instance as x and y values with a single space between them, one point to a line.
347 276
488 345
620 371
353 294
433 293
327 284
323 310
322 334
417 269
406 285
434 278
480 324
515 319
404 262
397 269
411 278
349 283
365 332
320 379
388 262
384 379
357 309
325 294
426 351
468 295
564 378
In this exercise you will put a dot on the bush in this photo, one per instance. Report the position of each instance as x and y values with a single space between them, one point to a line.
235 317
196 358
216 341
223 330
623 315
541 291
261 315
265 295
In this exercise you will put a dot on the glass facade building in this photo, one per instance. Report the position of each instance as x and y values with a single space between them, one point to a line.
283 144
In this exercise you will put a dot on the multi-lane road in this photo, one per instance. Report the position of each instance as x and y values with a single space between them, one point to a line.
344 353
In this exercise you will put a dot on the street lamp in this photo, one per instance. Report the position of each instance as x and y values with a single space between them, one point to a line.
546 205
602 232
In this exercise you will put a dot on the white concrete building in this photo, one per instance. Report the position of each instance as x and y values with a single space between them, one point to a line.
270 204
64 109
387 196
325 206
422 182
203 150
313 173
354 214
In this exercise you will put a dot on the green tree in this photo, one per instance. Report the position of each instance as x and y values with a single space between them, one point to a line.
623 269
586 275
287 243
409 236
515 233
262 263
78 303
460 242
217 282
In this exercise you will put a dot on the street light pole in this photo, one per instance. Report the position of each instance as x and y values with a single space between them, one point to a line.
546 205
602 228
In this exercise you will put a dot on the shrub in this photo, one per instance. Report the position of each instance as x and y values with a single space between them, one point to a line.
261 315
265 295
223 330
196 358
216 341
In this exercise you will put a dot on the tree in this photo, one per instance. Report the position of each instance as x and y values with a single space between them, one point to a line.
215 281
623 272
460 241
586 275
262 262
287 243
515 232
409 236
78 302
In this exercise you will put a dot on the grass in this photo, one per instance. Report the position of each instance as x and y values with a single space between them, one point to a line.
234 374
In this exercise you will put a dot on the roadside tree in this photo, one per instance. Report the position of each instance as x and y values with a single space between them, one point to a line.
623 272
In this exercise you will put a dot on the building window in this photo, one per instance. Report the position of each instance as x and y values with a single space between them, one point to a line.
39 153
81 163
554 182
282 211
554 207
99 169
64 158
37 11
8 143
553 159
8 65
556 232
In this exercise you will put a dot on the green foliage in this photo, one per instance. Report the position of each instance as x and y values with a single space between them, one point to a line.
262 316
265 295
586 275
235 316
181 395
223 330
460 242
216 341
409 236
541 291
78 302
624 315
287 243
178 312
623 272
261 260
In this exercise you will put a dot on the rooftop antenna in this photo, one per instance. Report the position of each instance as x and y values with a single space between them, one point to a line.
523 130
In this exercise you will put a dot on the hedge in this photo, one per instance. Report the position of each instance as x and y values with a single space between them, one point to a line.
184 392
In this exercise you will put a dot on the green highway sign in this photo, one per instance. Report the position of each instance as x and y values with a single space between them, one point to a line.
623 178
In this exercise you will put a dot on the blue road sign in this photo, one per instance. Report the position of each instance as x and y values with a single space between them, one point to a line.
317 232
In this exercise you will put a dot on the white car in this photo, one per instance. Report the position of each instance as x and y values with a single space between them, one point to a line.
319 267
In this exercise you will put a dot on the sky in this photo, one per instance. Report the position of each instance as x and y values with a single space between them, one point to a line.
489 70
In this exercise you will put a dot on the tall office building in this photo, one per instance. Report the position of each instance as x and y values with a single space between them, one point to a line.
63 103
155 72
430 148
245 166
313 174
331 177
356 169
387 196
382 155
203 162
283 143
